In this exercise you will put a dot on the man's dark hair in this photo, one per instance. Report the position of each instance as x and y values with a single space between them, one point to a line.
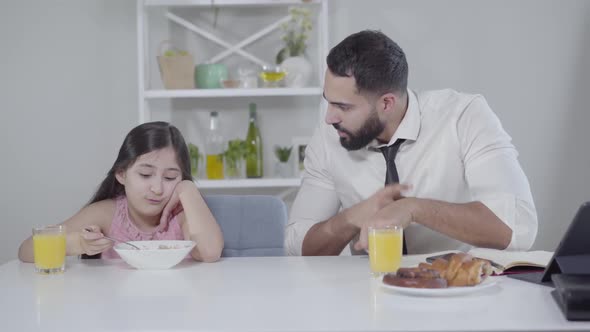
376 62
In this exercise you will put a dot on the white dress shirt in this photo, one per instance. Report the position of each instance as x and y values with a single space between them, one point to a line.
455 151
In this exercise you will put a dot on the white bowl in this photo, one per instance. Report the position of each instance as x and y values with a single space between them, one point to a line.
161 254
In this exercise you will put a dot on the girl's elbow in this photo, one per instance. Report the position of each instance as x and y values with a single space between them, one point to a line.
206 256
25 257
211 258
210 255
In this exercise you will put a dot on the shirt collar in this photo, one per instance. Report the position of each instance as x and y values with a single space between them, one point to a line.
409 128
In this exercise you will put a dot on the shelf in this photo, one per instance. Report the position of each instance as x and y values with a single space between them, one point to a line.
245 22
221 3
214 93
249 183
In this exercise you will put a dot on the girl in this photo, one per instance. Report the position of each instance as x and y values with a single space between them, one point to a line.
148 194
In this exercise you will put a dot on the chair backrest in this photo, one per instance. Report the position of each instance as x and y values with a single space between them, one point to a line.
252 225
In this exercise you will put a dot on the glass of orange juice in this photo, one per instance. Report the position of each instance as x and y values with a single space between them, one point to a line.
49 248
385 249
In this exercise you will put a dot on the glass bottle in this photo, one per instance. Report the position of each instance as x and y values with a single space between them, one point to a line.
214 149
254 168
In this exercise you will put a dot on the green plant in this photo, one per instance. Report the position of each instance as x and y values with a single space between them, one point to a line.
195 157
236 152
283 153
295 33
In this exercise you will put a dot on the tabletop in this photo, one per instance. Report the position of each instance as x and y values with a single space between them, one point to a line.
259 294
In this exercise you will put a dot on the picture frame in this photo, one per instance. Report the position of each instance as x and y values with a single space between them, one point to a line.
299 146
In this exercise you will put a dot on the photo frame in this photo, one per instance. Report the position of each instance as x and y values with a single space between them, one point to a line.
299 146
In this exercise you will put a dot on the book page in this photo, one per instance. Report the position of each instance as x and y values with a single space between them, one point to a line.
510 259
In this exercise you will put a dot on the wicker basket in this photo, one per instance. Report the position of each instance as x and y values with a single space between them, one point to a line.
176 69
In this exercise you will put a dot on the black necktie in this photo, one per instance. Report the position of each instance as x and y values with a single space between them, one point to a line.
391 176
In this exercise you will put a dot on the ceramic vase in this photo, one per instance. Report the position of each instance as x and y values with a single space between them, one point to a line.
298 70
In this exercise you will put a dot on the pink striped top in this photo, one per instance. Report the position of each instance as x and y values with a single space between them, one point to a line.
124 230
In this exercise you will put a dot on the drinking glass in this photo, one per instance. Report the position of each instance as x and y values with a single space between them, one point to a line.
272 76
385 249
49 248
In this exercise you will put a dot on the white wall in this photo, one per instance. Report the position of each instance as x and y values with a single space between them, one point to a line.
68 96
68 92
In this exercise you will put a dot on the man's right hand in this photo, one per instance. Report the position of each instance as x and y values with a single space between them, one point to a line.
358 214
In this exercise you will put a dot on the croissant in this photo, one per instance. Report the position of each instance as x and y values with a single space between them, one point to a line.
440 265
455 263
461 269
469 274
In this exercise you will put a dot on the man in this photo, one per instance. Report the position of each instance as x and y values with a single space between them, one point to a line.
460 182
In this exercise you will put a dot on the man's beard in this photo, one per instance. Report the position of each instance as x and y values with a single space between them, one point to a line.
372 128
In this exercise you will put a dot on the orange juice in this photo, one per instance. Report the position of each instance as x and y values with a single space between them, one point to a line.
214 166
49 249
385 249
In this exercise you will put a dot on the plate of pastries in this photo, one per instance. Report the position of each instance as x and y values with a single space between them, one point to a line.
458 274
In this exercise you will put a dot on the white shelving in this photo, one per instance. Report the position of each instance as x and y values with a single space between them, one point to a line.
249 183
214 93
233 3
172 10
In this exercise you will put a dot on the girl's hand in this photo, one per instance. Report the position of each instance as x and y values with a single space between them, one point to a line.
93 242
174 206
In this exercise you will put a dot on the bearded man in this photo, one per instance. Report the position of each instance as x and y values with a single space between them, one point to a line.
437 163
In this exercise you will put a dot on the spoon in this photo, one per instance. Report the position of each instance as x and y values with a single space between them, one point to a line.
115 240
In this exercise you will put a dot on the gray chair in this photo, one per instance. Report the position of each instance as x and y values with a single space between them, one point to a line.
252 225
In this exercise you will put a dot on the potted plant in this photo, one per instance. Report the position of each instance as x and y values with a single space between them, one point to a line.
234 158
282 168
292 56
195 158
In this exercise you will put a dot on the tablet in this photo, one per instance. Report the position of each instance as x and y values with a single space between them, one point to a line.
572 255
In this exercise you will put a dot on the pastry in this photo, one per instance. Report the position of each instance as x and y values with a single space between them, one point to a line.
395 280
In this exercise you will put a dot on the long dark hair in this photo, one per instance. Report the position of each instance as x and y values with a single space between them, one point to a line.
143 139
376 62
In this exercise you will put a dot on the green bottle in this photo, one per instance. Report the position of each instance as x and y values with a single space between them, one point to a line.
254 143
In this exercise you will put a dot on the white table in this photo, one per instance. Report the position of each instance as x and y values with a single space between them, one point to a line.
257 294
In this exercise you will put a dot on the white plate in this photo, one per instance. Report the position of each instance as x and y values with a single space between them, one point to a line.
435 292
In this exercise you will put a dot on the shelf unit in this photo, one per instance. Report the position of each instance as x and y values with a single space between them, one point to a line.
148 93
243 3
250 183
228 93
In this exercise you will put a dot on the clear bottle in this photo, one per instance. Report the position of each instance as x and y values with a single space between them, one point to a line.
214 149
254 165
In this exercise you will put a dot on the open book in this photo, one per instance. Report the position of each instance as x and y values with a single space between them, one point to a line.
514 261
510 261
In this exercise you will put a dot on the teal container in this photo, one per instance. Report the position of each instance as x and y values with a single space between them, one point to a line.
209 76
